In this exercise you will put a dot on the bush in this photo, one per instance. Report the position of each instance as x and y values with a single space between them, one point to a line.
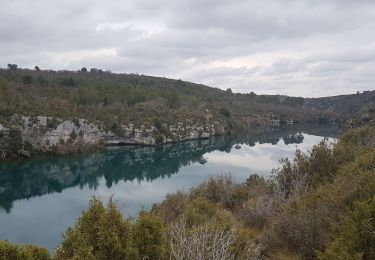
356 239
52 123
217 189
201 242
224 111
99 233
22 252
148 236
14 142
306 172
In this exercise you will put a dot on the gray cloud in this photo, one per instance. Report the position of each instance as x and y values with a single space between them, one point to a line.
311 47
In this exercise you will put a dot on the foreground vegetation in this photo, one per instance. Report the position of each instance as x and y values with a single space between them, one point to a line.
320 205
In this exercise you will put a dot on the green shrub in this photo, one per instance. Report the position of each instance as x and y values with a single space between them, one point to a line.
148 237
224 111
99 233
22 252
356 239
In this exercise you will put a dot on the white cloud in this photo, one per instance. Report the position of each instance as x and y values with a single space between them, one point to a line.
292 47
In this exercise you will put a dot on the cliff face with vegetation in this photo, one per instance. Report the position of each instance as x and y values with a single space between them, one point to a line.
27 135
66 111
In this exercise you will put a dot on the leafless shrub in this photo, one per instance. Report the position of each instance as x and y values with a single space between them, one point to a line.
260 212
201 242
287 187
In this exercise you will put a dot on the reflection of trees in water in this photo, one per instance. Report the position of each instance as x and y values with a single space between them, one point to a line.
293 139
22 180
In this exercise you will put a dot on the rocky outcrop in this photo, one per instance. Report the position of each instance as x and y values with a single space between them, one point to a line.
47 133
44 133
163 134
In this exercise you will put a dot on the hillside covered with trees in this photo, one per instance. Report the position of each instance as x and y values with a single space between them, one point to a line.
45 111
109 98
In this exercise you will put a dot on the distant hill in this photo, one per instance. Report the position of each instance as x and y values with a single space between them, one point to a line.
43 111
344 104
109 98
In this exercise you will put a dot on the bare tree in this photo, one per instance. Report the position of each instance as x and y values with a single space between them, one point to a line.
202 242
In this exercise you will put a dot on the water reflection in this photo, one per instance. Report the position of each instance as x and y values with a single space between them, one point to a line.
23 180
41 198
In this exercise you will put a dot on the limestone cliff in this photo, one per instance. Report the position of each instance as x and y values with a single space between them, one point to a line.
48 134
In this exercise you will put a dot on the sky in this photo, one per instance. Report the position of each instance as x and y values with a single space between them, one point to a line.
307 48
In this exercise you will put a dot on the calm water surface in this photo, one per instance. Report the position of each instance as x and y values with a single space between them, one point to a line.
39 199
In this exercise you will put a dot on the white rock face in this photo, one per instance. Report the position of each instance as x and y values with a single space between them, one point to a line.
3 128
46 132
88 133
41 133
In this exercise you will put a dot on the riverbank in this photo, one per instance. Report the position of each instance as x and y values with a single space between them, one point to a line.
262 216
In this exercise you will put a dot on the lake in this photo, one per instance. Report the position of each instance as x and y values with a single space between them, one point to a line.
40 198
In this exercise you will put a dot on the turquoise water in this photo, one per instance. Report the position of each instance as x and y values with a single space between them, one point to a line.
39 199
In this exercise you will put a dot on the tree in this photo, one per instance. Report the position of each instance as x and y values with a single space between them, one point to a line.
356 239
12 67
228 90
99 233
24 252
37 68
6 95
84 69
148 236
27 79
68 82
224 111
14 142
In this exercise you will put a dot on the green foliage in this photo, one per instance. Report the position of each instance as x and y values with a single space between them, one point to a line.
69 82
7 96
104 97
52 123
307 171
173 99
12 145
12 67
308 221
294 101
22 252
148 236
14 140
27 79
356 238
99 233
224 111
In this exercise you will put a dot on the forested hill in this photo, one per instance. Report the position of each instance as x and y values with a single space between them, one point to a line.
114 99
65 111
359 106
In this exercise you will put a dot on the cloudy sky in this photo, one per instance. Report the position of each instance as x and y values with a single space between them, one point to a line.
294 47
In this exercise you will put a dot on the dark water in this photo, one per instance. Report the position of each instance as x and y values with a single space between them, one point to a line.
39 199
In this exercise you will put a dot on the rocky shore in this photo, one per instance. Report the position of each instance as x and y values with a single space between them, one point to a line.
54 135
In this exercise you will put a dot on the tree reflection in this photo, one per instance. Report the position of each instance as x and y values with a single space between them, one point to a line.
26 179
